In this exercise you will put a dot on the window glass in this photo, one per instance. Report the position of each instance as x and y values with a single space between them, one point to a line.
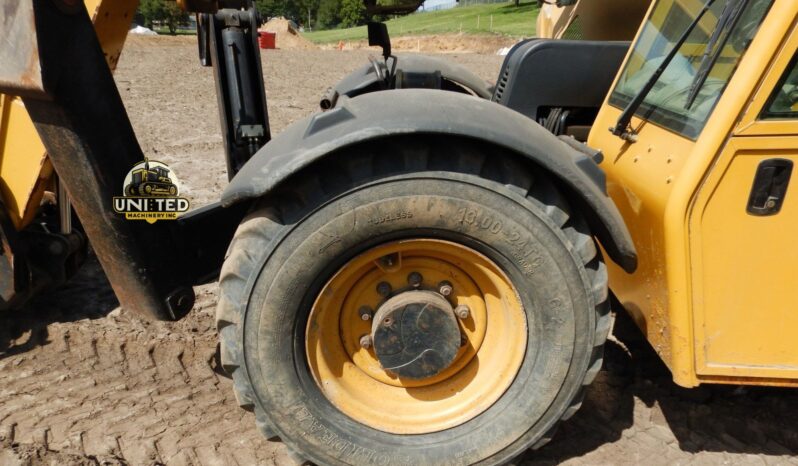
716 45
783 103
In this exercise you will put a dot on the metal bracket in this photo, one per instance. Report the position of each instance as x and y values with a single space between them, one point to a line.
228 41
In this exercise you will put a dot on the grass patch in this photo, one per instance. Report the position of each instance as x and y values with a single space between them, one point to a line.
507 19
179 32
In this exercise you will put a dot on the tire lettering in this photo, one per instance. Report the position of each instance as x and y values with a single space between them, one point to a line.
475 217
401 215
346 448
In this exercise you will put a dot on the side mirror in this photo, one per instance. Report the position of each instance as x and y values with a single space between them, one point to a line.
378 35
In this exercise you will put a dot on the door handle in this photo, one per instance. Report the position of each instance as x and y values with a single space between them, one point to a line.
770 187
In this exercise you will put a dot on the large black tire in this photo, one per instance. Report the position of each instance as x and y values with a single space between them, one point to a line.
286 249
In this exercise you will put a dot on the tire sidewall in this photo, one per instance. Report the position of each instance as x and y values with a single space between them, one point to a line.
511 231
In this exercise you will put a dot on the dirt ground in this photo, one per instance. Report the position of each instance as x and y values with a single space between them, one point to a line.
83 382
446 43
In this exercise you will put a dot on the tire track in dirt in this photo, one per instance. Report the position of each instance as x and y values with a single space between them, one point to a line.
122 390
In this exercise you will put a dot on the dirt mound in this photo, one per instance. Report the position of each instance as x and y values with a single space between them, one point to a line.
440 43
287 36
145 42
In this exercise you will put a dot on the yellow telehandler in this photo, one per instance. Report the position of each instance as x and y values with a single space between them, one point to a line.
425 271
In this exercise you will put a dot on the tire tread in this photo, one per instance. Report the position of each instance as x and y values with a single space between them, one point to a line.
263 225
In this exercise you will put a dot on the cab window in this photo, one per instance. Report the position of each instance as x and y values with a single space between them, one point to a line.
685 95
783 104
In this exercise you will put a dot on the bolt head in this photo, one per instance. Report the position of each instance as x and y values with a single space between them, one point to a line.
462 311
414 279
365 341
445 288
365 312
389 260
384 289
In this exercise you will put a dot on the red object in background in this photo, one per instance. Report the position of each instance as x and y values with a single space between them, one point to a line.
267 40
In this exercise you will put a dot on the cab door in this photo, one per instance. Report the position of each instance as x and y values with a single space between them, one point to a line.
744 241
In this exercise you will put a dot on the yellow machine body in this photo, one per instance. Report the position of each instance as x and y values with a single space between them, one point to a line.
715 288
25 170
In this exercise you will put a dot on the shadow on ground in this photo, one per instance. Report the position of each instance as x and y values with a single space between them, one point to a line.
635 399
88 295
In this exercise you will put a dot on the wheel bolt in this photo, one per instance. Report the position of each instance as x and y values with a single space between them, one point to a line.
389 260
414 279
445 288
365 312
384 289
365 341
462 311
387 322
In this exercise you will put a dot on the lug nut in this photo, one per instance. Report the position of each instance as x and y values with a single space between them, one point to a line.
384 289
365 341
365 312
445 288
462 311
414 279
389 260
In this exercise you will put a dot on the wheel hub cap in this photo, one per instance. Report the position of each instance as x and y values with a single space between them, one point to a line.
416 334
402 378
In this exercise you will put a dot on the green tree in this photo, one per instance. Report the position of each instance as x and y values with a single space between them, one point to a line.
272 8
151 10
328 14
352 13
165 11
308 11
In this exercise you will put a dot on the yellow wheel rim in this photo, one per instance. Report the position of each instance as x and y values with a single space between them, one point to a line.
494 338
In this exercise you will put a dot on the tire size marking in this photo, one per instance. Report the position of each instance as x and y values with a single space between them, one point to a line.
475 218
392 217
527 256
343 446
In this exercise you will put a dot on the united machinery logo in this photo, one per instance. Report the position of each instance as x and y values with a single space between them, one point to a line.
151 193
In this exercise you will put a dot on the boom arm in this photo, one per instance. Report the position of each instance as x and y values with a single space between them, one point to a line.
72 99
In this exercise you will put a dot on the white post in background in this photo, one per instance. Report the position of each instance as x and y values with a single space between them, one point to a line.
491 23
477 21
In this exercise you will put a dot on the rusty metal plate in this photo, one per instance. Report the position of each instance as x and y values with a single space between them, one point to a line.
20 71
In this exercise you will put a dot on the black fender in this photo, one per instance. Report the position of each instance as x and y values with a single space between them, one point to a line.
413 111
365 78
